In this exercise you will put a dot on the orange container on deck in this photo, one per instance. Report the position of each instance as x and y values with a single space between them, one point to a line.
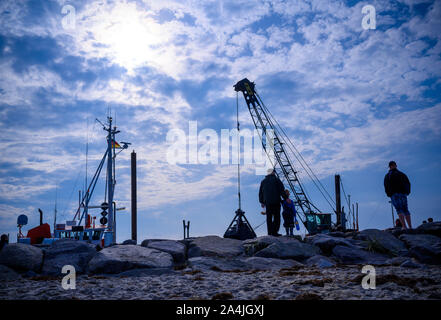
38 233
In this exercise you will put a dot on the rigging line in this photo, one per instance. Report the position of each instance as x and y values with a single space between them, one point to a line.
71 193
346 198
300 162
290 142
260 224
87 153
238 149
291 146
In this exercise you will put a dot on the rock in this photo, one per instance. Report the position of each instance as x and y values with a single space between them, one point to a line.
382 241
396 261
175 248
145 242
217 264
396 232
7 274
67 252
214 246
129 241
433 228
119 258
326 242
252 246
338 234
144 272
426 248
349 255
409 263
260 263
29 274
295 250
240 263
22 257
320 262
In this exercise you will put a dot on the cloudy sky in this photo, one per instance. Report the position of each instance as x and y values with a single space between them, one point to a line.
350 99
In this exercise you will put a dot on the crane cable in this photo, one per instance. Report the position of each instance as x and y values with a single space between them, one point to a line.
238 152
346 198
314 179
238 149
291 144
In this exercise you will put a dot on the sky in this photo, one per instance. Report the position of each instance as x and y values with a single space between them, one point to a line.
350 98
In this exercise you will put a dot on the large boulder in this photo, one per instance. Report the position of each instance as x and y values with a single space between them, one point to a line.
326 242
320 261
240 264
7 274
382 241
67 252
214 246
129 241
433 228
21 257
217 264
252 246
350 255
397 232
260 263
424 247
120 258
294 249
175 248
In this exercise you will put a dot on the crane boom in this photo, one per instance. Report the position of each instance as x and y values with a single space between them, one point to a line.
308 213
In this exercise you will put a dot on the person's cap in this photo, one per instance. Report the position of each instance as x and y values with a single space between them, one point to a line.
269 171
392 163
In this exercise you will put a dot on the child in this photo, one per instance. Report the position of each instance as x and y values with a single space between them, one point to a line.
289 213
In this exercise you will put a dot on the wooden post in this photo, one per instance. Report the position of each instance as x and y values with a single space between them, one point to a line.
134 198
356 208
353 216
183 223
337 199
41 216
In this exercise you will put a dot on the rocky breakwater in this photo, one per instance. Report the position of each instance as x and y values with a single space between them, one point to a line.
317 261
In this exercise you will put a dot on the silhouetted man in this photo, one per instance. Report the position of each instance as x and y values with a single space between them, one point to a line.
271 189
3 241
397 187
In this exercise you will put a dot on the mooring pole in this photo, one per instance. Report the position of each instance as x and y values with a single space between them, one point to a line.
134 200
110 153
188 229
41 216
337 199
356 208
343 219
353 216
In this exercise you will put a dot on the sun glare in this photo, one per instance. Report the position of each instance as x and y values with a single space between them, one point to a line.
129 36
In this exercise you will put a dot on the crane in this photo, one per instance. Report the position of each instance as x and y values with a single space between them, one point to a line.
312 218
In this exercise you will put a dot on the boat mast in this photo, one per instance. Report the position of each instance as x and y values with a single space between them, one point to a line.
55 209
110 174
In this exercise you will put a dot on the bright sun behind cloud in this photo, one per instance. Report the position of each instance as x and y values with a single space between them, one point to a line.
129 35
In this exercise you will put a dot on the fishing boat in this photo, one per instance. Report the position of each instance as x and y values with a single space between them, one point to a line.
83 226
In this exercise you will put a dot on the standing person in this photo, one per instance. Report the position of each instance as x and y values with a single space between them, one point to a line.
288 214
270 191
4 240
397 187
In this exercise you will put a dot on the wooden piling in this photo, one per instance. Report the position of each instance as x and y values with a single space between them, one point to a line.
134 196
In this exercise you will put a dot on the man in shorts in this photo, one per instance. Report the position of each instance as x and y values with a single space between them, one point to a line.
397 187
